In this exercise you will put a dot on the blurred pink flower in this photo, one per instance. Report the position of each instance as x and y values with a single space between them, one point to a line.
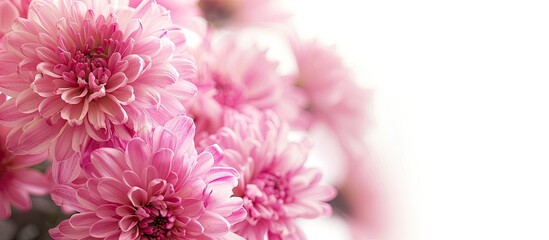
184 13
237 77
240 13
82 71
275 186
157 188
17 181
332 95
11 10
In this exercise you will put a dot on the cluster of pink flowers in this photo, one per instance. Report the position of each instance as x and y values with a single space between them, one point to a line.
147 136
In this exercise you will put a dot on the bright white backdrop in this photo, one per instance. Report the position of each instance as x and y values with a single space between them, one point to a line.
462 109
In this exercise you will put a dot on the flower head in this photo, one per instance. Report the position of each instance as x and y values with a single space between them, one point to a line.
82 71
158 187
332 95
276 186
17 180
236 77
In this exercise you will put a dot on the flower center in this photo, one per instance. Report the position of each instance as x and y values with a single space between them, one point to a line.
226 94
155 223
272 196
272 185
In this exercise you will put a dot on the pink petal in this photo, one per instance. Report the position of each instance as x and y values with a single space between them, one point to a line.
75 113
106 210
5 207
108 162
194 228
110 106
12 84
28 101
137 64
192 207
104 228
74 95
214 224
35 137
62 145
116 81
162 160
83 220
124 95
50 107
19 198
8 13
128 222
113 191
131 179
33 182
65 171
138 155
138 197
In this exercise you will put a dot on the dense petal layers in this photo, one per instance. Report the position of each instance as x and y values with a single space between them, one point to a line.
275 186
84 70
157 187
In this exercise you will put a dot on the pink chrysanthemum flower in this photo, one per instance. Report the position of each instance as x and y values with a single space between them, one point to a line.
276 186
17 181
236 77
157 188
84 70
332 95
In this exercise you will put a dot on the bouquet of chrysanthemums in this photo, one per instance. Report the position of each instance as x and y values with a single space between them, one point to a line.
169 119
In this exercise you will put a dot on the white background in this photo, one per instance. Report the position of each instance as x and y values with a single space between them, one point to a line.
462 109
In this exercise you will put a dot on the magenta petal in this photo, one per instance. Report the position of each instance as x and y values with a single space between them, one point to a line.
104 228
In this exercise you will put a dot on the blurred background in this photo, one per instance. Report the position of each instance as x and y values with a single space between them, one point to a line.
461 130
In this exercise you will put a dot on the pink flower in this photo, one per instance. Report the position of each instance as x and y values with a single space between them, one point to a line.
82 71
333 97
275 186
233 76
17 181
156 188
